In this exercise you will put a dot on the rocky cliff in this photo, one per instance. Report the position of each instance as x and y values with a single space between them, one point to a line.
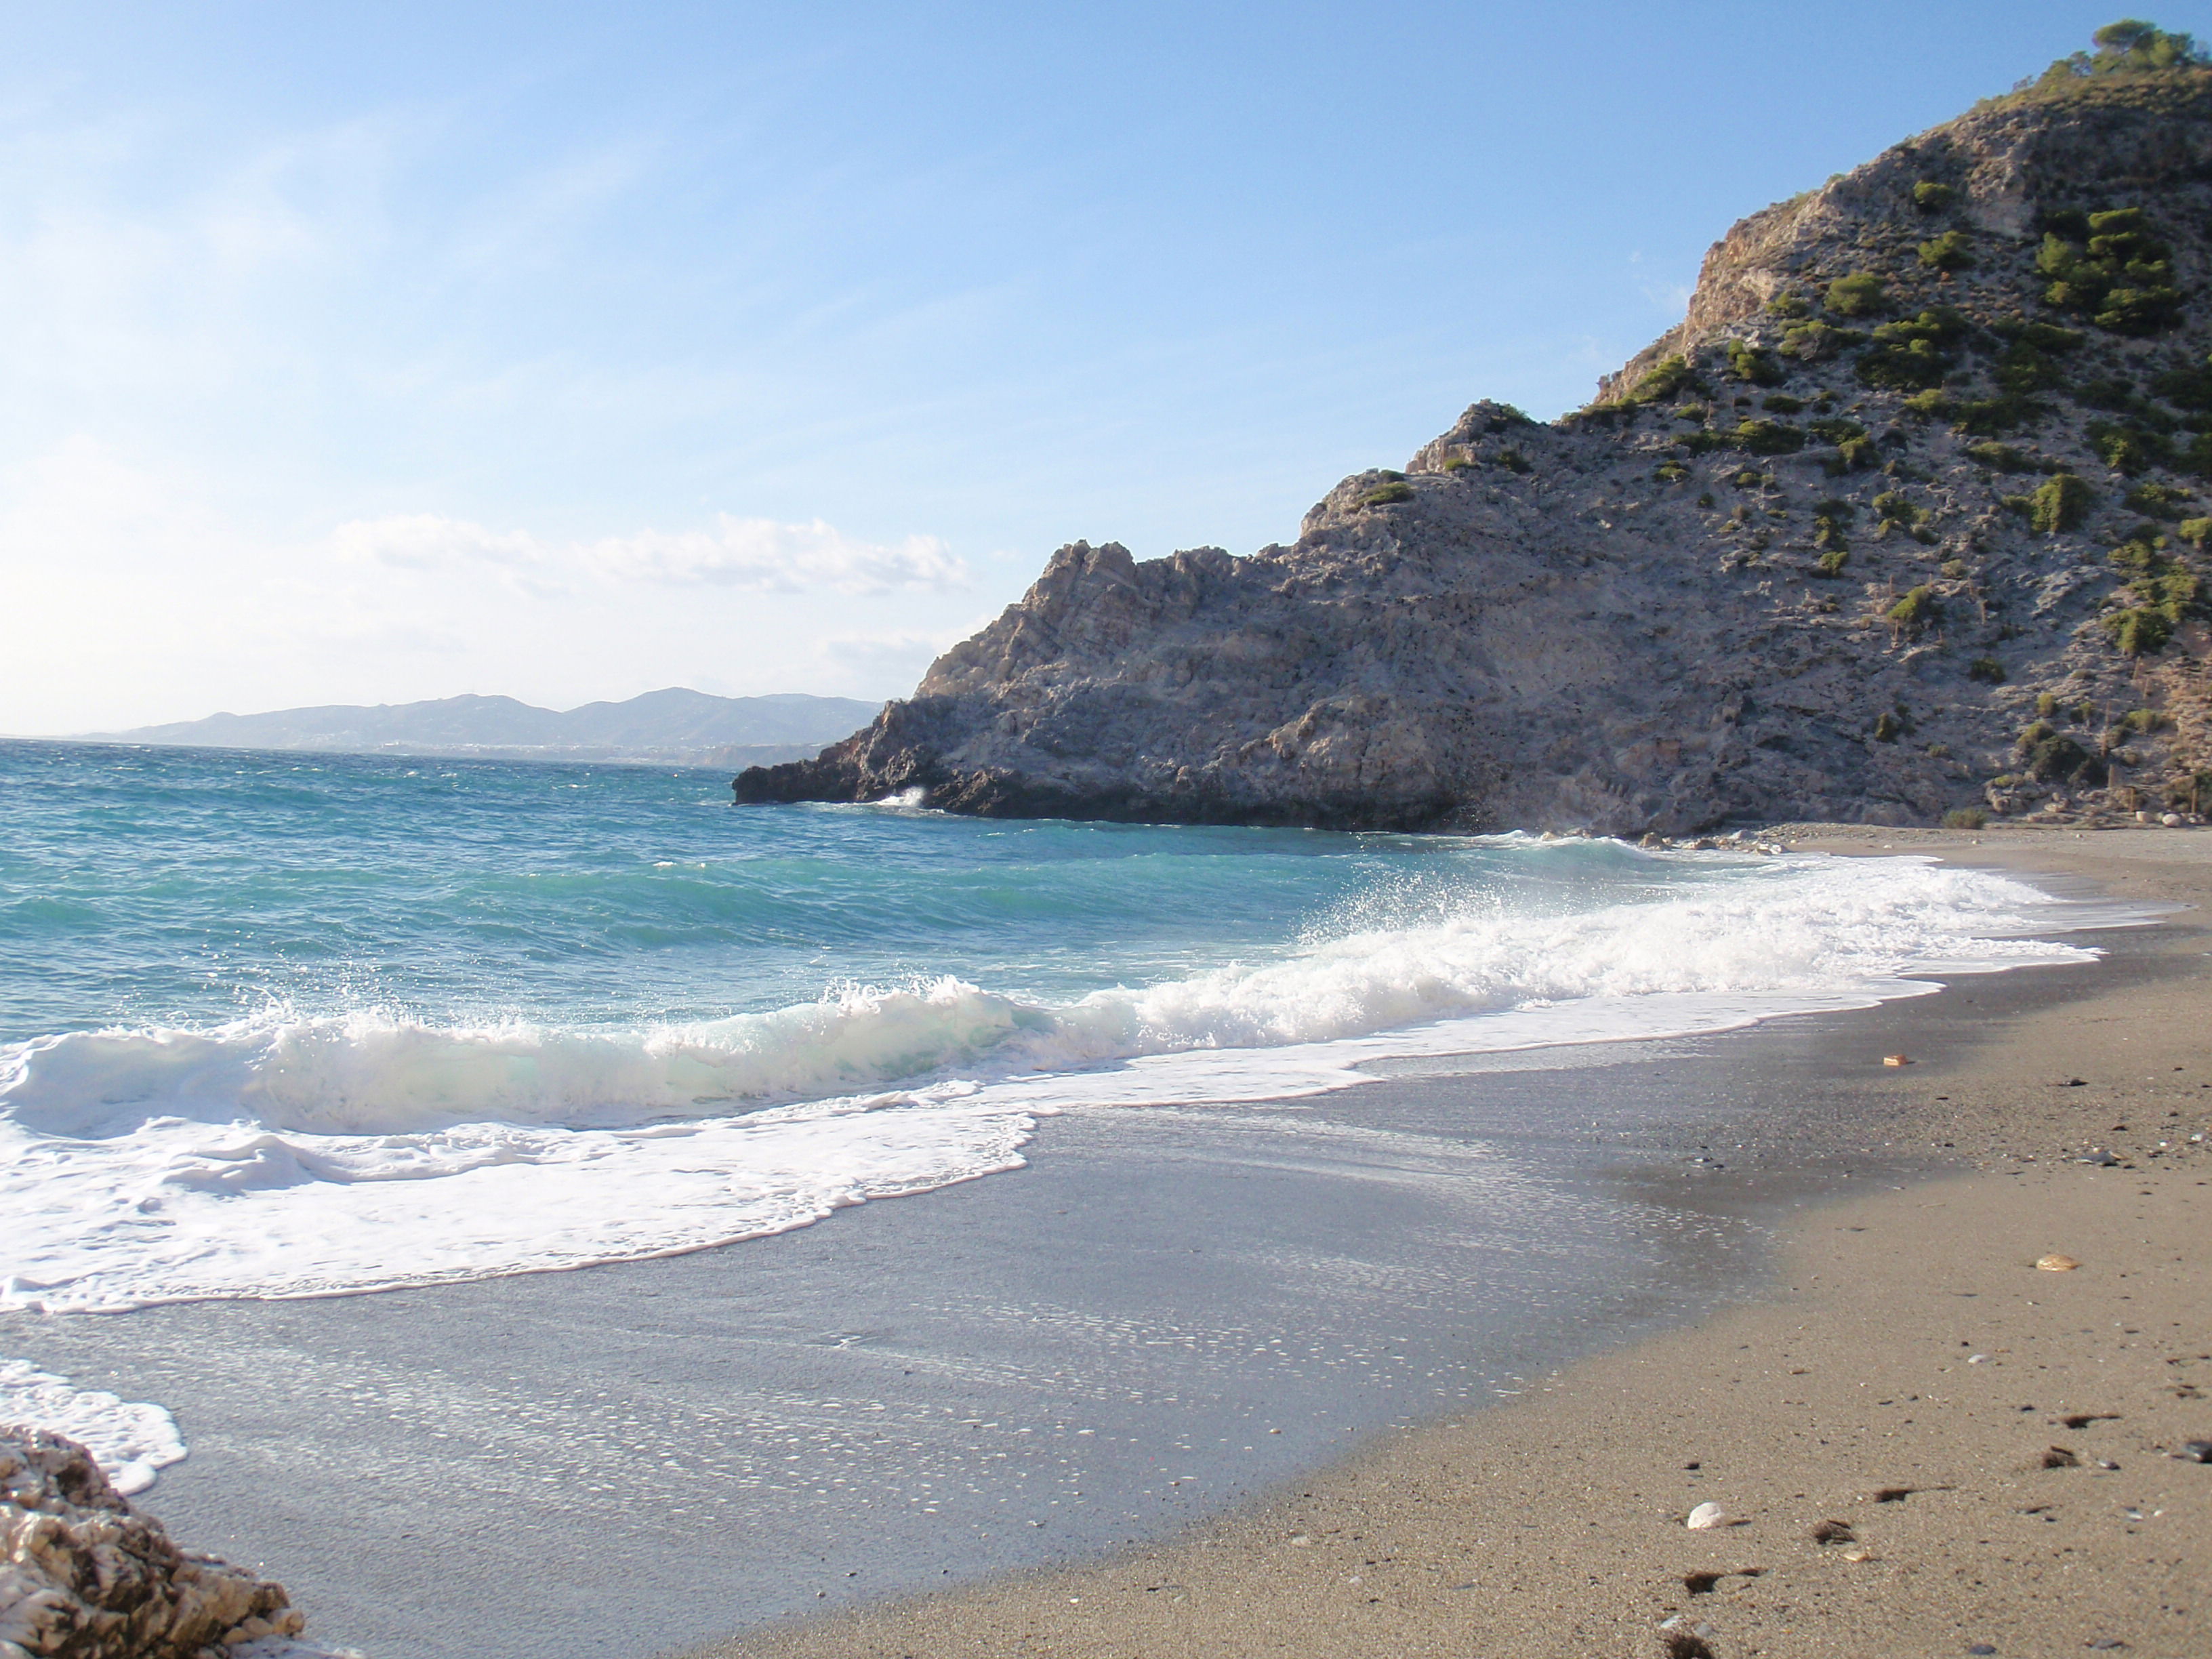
1904 519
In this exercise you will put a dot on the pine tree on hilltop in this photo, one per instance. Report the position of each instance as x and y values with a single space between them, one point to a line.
2131 46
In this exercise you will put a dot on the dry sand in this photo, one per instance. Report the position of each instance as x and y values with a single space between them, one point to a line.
1911 1375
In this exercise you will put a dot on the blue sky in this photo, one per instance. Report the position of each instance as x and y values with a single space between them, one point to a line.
370 353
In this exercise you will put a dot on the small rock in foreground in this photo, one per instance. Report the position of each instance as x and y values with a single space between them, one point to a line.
84 1576
1707 1515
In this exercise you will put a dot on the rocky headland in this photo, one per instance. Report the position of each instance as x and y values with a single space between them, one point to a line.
1903 521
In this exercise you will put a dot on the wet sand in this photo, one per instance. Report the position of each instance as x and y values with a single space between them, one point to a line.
1996 1442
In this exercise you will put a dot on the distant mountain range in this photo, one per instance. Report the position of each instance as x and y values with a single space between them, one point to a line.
671 727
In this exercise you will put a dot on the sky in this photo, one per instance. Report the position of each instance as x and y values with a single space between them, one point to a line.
371 353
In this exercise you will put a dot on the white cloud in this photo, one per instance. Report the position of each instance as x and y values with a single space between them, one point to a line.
762 555
752 555
424 541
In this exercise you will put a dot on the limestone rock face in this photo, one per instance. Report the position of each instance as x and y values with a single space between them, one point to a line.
1788 565
84 1576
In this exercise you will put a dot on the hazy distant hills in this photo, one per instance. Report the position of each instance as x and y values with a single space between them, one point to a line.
674 726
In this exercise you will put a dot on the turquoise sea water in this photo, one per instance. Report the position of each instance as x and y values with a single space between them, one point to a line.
180 887
283 1025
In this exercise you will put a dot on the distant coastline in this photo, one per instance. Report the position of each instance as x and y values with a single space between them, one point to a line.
676 726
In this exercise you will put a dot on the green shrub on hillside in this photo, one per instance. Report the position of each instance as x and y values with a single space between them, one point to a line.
2115 392
1949 252
1387 495
1513 461
1861 294
1832 562
1931 196
1768 438
1813 342
1781 402
1751 364
2139 631
2061 504
2029 362
2196 532
2062 759
2140 311
1888 727
1966 818
1988 670
2120 276
2127 447
2002 457
2160 591
2157 501
1663 380
1787 304
1916 610
1914 355
2188 387
1983 417
1852 455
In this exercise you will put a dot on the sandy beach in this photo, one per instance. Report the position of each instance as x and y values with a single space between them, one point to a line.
1923 1442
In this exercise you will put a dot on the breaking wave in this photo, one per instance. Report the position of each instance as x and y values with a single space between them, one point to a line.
291 1154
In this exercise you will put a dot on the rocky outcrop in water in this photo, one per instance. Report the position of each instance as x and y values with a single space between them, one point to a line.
1906 519
84 1576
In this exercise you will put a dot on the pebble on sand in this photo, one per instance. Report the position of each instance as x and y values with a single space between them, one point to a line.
2056 1263
1706 1515
1897 1059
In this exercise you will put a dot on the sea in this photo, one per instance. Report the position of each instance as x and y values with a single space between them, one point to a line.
279 1026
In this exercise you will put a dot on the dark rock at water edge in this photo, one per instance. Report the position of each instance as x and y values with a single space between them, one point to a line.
85 1576
1905 519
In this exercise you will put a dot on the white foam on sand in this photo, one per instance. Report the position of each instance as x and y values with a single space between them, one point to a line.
288 1157
131 1440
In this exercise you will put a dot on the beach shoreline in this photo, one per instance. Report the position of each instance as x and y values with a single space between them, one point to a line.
1885 1352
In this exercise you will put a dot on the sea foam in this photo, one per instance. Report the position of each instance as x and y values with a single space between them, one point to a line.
287 1155
132 1441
